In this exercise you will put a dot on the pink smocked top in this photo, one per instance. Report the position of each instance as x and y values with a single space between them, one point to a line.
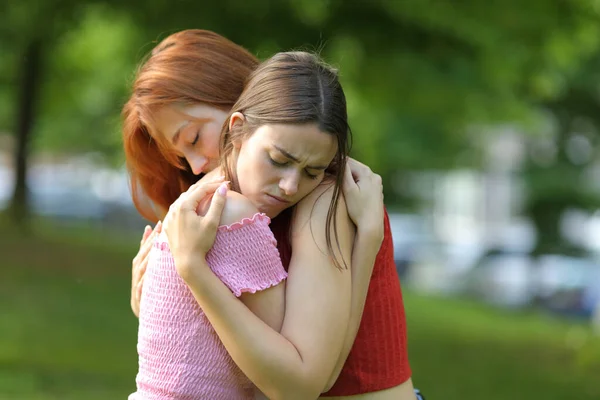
180 355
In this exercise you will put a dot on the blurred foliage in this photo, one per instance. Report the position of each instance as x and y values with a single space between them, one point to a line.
558 169
424 79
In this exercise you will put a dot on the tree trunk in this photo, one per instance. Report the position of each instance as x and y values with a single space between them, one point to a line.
27 100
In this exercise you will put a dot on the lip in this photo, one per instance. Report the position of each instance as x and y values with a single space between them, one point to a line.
278 199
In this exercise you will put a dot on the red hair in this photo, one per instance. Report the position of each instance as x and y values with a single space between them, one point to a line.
189 67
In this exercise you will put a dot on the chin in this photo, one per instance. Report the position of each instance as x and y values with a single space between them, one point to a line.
273 214
269 212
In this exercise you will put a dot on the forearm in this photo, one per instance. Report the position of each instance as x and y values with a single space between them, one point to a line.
269 360
363 259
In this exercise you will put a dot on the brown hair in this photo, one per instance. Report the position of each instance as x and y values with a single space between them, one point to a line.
189 67
295 88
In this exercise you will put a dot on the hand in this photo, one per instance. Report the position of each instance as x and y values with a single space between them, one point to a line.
139 264
363 192
191 235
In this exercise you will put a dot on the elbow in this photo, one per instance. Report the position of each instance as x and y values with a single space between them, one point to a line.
295 394
299 390
334 375
332 380
329 385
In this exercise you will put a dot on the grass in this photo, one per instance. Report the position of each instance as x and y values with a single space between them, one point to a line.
66 331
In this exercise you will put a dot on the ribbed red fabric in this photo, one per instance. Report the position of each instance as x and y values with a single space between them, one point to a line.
378 359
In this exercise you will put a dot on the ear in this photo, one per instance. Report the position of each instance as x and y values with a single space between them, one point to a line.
236 120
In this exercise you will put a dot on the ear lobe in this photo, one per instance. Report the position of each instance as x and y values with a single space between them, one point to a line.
237 119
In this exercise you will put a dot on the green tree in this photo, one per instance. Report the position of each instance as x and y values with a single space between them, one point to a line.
418 74
557 169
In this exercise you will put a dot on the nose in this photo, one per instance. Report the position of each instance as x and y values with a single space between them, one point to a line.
289 184
198 164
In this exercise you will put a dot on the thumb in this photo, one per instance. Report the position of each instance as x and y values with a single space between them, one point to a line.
217 204
196 194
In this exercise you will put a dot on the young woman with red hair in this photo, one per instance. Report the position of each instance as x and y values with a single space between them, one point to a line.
184 92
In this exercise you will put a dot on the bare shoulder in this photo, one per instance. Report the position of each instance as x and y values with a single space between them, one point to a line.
317 203
237 207
310 217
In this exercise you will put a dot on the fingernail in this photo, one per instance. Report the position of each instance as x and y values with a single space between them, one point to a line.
222 190
159 224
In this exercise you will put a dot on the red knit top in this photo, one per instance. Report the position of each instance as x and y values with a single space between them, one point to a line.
378 359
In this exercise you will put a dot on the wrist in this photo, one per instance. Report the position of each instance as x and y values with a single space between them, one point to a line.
371 233
191 267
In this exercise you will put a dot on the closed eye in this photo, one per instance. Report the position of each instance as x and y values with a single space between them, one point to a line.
277 164
283 164
196 138
311 176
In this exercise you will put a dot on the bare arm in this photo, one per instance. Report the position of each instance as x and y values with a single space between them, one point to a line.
295 364
363 256
363 191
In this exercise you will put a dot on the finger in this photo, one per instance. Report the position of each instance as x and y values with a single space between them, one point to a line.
158 227
359 170
138 290
349 182
192 200
147 231
140 274
143 266
355 164
145 248
205 180
177 202
134 304
217 204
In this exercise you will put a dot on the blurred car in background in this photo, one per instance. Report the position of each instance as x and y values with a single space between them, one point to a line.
410 236
500 277
557 283
568 285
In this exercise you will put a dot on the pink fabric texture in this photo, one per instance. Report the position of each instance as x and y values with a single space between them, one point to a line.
180 355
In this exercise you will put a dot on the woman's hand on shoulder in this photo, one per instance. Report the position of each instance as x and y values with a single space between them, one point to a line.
139 264
189 234
363 191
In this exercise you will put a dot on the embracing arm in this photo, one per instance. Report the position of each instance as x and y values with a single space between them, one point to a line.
297 362
363 256
268 304
363 192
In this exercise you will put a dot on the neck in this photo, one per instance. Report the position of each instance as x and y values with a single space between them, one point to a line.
231 172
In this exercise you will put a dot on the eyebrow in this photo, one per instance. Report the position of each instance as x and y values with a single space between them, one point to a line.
178 132
295 159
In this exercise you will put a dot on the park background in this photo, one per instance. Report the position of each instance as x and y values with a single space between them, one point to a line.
481 116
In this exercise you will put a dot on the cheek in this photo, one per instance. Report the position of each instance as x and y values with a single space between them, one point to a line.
246 174
211 136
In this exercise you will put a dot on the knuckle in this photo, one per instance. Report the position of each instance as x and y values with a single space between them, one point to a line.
211 224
